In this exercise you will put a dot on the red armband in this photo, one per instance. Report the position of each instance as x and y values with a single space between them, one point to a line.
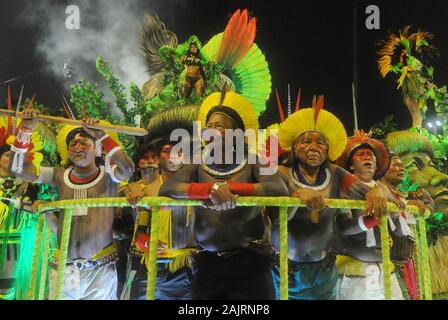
108 143
241 189
142 241
199 191
23 140
368 222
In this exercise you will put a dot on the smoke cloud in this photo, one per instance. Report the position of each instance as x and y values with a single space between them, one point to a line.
109 28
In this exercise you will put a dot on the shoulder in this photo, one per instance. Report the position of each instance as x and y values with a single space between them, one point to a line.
337 170
284 171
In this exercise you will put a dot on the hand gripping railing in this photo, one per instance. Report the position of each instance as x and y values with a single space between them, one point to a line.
421 247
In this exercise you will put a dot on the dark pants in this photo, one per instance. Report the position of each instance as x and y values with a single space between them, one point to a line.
169 286
245 274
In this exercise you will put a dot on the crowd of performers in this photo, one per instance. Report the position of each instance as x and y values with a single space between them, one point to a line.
220 250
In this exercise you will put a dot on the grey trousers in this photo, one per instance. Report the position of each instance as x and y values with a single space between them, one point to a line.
96 284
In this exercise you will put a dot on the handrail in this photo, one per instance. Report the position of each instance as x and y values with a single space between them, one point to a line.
282 202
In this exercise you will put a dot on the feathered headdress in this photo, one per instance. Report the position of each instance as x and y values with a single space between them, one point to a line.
233 101
64 132
314 119
361 139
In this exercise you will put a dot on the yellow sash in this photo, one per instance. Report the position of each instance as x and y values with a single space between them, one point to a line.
353 267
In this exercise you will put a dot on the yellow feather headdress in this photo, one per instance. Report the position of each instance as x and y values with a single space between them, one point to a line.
233 101
64 132
314 119
236 102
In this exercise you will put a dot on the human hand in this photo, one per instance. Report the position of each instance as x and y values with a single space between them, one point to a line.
376 203
30 119
95 133
222 198
313 199
421 206
134 197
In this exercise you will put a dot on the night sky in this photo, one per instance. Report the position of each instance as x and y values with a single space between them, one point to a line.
308 44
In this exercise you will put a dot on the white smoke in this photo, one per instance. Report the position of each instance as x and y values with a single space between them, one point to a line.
109 28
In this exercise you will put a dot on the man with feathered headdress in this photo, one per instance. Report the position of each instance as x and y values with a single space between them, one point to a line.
314 137
90 272
176 241
360 267
236 259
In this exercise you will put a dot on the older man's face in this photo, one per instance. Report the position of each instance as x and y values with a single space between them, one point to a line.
395 174
422 171
311 149
168 160
364 163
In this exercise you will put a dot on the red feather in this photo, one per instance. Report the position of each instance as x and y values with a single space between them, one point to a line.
317 106
237 30
84 112
9 130
280 107
298 100
9 99
3 136
30 104
238 38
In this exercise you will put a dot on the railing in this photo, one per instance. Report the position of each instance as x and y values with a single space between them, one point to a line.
421 246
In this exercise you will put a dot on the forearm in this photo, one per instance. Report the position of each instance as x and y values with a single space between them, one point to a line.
270 189
26 171
124 167
355 225
176 190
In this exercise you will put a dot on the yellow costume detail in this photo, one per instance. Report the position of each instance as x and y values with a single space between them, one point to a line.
314 119
354 267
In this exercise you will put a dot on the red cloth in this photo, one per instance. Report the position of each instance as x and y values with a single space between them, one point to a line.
199 191
370 222
108 144
23 132
141 241
242 189
410 279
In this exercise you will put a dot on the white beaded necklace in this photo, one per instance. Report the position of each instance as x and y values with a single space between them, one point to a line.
318 188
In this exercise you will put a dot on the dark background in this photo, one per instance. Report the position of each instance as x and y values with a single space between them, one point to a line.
308 44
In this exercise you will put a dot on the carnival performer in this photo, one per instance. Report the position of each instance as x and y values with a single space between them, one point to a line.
314 137
402 250
195 76
236 259
90 272
360 265
14 215
176 238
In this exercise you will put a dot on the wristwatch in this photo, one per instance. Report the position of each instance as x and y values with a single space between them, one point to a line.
215 186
